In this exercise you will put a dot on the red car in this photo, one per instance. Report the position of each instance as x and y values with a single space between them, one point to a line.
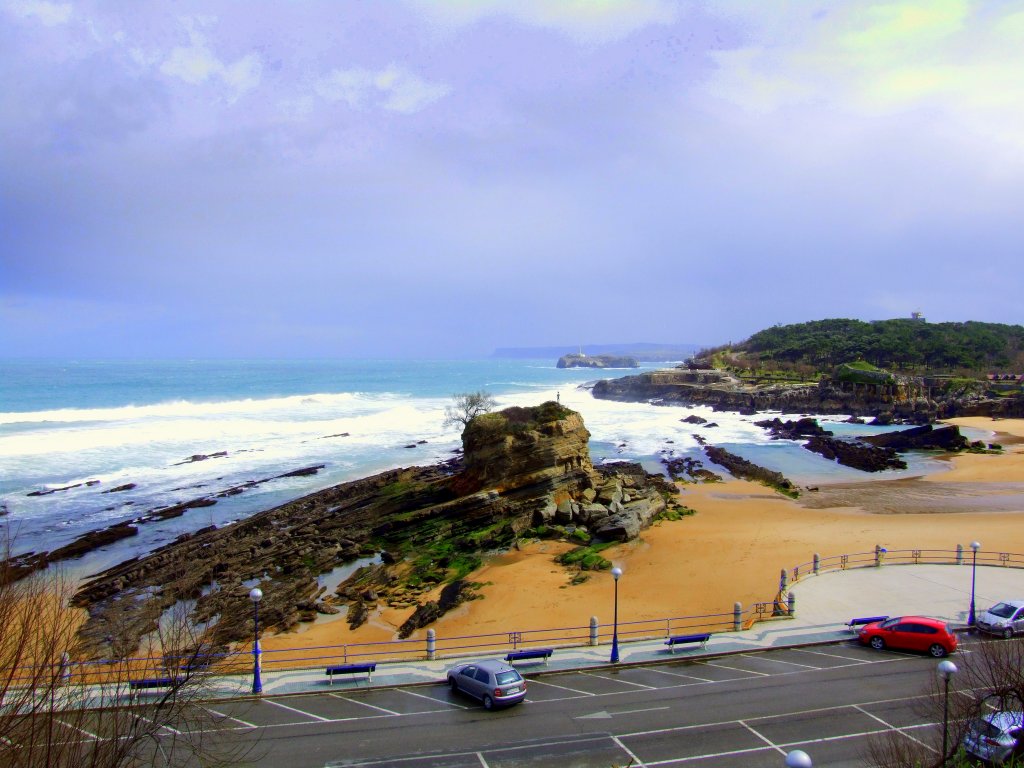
911 633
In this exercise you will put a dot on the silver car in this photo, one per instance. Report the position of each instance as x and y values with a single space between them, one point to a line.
996 737
1005 619
494 682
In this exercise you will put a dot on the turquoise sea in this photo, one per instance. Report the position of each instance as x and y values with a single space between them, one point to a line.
71 423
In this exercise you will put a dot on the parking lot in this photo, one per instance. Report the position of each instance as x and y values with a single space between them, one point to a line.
744 709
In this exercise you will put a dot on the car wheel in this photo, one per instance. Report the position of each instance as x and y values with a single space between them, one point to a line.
488 702
937 651
877 643
452 684
1008 634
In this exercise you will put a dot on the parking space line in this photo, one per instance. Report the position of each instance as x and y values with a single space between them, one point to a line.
762 737
164 727
680 674
691 758
483 763
535 681
735 669
297 711
436 701
230 717
76 728
616 680
778 661
633 758
833 655
371 706
892 727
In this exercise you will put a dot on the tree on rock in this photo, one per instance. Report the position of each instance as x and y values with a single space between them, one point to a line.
467 406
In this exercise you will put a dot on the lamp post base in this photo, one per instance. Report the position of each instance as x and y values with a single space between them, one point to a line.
615 651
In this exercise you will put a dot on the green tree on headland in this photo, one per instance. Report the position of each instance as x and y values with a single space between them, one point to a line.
901 344
467 406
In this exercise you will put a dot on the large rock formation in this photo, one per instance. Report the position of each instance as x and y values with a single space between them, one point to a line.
423 527
597 361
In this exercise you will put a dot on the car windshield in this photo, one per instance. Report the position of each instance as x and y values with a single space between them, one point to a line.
985 728
890 623
504 678
1003 610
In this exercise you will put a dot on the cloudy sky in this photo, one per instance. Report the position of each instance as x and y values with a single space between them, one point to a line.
443 177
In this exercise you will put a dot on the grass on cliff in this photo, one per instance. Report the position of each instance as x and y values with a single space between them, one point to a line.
514 421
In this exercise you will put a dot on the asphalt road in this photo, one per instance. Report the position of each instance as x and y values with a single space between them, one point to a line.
745 710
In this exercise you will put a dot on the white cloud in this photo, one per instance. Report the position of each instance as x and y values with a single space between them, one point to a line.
197 64
588 21
46 13
960 59
392 88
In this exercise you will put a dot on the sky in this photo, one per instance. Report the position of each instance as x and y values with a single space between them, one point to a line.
440 178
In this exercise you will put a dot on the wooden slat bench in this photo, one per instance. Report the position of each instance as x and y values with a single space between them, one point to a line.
153 682
351 669
852 624
675 640
529 653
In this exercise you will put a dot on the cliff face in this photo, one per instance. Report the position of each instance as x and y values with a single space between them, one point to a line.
425 525
910 399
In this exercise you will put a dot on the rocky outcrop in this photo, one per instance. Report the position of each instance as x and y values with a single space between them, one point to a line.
597 361
748 470
900 398
428 526
856 454
947 438
793 430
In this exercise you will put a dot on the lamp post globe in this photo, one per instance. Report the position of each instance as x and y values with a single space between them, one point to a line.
975 546
798 759
616 575
256 594
946 671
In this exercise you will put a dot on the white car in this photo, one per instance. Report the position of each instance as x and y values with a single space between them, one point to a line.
996 737
1005 619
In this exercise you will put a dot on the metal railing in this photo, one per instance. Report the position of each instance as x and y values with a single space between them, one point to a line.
118 671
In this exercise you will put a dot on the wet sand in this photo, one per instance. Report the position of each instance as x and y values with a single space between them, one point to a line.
734 547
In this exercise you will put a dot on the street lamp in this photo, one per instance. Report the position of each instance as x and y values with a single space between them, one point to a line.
616 573
946 671
974 567
798 759
256 594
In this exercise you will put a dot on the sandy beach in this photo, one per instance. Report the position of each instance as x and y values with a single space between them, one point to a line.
733 548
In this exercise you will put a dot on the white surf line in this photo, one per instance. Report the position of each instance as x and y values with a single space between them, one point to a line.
535 681
633 758
779 661
616 680
679 674
231 717
898 730
736 669
436 701
297 711
763 738
363 703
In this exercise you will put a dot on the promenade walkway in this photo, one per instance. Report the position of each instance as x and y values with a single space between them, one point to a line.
824 603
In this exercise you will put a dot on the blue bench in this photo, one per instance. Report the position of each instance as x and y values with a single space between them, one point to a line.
529 653
861 621
351 669
675 640
153 682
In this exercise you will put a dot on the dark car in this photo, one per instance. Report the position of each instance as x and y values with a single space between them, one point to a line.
910 633
495 683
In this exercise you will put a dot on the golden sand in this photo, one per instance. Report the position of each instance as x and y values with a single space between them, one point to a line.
733 549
